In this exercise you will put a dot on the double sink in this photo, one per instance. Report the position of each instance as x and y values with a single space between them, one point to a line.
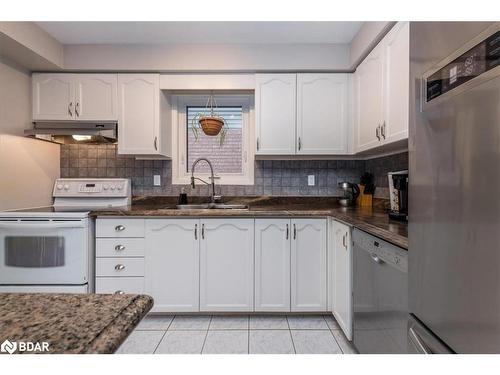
212 206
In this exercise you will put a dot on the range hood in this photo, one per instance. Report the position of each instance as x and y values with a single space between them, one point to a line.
74 132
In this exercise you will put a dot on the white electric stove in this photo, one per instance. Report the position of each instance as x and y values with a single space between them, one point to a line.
51 249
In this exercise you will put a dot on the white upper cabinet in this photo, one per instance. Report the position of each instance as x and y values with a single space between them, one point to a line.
139 114
308 265
272 265
53 96
64 96
397 83
341 292
172 264
227 264
381 92
96 97
369 88
322 113
275 109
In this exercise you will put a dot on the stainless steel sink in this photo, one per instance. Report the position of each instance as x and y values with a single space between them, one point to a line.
212 206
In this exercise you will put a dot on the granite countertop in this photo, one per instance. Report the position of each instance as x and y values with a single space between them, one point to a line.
71 323
373 220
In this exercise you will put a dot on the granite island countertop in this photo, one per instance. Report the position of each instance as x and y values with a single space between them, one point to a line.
373 220
71 323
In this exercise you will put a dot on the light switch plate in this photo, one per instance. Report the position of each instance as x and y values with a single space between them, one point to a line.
156 180
310 180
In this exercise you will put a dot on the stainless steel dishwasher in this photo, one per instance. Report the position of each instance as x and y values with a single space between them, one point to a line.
380 295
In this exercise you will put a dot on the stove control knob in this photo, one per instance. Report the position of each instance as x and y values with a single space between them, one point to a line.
105 187
112 187
59 187
119 187
66 187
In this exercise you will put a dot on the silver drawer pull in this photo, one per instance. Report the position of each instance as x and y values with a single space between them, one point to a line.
119 228
119 247
119 267
119 292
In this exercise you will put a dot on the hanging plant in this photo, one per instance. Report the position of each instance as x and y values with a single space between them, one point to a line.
210 122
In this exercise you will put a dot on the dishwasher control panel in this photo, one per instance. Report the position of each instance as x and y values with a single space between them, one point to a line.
382 251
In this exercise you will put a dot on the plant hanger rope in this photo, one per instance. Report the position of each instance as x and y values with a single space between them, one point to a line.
211 124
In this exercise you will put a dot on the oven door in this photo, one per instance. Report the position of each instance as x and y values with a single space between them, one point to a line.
44 252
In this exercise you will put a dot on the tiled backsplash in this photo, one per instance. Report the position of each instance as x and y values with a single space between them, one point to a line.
272 177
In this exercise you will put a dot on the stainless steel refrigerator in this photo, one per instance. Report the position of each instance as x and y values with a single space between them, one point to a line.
454 193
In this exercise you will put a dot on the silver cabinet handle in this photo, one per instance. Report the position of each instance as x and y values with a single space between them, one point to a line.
376 259
70 109
258 144
203 231
156 143
382 130
119 267
77 109
120 292
377 132
119 228
343 241
196 231
300 143
287 232
119 247
294 231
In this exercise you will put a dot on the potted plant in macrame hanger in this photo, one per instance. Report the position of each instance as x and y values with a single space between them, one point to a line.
210 122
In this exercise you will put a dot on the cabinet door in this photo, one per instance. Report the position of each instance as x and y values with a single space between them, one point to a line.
96 97
322 109
368 87
226 264
342 281
275 114
308 265
272 265
138 114
172 264
397 82
53 96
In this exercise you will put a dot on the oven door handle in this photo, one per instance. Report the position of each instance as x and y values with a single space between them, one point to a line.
52 225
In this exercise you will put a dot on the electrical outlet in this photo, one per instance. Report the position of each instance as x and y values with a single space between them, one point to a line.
156 180
310 180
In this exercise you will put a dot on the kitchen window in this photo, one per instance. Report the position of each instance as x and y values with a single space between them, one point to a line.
233 160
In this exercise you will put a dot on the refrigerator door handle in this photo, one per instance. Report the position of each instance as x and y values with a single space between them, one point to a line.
418 342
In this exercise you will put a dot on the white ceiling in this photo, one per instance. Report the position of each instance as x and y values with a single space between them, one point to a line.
201 32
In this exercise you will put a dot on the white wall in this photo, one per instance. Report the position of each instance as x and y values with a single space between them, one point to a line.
28 167
206 58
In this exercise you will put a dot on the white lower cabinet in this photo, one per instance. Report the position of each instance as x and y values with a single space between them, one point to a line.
172 264
308 265
226 265
342 277
272 265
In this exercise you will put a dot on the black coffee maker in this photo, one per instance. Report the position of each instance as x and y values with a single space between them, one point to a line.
398 191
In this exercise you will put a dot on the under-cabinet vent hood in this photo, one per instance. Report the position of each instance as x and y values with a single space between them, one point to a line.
74 132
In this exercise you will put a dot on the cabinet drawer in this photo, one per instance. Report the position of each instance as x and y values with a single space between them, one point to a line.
120 228
119 267
112 285
119 247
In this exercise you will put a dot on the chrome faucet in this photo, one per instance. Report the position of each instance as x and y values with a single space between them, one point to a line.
213 197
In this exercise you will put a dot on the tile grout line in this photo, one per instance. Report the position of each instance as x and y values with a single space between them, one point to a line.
206 335
291 337
334 338
163 336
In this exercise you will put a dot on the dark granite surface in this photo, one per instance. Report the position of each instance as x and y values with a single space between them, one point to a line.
372 220
71 323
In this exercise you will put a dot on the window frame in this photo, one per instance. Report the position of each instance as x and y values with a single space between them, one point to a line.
180 102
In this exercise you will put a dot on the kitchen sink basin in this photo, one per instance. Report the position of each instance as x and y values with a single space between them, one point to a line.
212 206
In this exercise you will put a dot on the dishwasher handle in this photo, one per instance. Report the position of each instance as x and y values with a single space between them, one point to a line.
376 258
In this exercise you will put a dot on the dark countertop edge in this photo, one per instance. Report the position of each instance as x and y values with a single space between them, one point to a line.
384 234
110 338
